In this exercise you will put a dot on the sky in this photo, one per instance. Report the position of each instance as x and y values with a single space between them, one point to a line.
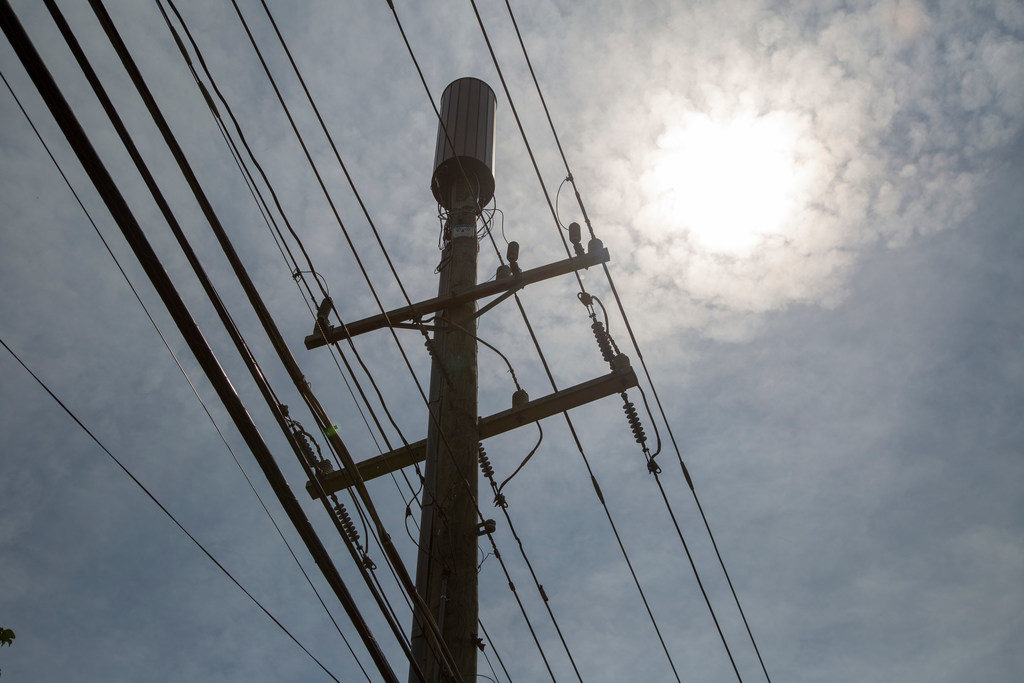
814 214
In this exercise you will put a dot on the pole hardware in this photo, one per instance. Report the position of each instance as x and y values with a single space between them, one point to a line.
575 239
485 527
596 255
615 382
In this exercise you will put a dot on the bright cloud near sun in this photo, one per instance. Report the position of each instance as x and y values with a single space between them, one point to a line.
725 184
745 172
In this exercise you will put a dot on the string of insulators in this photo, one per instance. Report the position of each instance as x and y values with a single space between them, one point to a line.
634 420
485 463
603 341
317 461
347 526
488 470
432 352
304 447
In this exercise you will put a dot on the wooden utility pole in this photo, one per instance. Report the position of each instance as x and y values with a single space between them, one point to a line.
446 569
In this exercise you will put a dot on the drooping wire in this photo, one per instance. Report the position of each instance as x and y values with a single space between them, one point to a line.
636 346
163 509
184 373
540 438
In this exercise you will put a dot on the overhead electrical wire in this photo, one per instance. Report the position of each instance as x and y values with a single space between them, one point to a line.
163 508
184 373
115 202
632 336
247 285
547 369
270 187
338 217
618 301
269 214
365 274
241 346
273 402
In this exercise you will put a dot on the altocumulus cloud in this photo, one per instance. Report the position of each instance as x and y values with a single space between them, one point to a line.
884 121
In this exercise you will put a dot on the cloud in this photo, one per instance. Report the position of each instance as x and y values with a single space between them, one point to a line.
899 113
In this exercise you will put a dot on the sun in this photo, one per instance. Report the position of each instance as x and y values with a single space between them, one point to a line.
726 184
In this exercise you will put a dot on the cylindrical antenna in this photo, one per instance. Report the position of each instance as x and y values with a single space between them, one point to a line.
465 142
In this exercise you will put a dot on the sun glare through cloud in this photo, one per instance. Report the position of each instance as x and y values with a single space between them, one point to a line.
725 184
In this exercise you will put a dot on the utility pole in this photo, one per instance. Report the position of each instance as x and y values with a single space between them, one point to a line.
446 568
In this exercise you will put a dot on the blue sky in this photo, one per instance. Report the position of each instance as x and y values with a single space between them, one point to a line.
814 216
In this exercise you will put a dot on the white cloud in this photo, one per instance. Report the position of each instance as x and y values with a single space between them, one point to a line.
899 112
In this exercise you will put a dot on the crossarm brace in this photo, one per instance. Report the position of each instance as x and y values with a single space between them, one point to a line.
499 423
334 333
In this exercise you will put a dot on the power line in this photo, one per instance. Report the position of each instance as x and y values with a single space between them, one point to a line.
174 357
547 369
632 337
311 163
235 121
355 252
618 301
122 214
258 375
160 505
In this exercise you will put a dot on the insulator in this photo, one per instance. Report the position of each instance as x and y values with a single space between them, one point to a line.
324 467
432 350
520 398
485 463
574 233
602 341
620 362
594 245
634 422
322 312
346 523
575 239
307 451
503 272
512 253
